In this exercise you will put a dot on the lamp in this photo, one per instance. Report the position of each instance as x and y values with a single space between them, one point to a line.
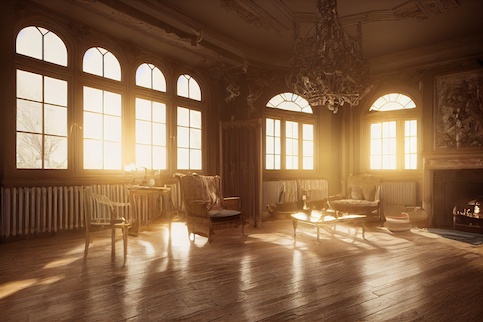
328 68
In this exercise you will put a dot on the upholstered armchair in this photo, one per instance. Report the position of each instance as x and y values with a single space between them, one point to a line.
206 209
363 196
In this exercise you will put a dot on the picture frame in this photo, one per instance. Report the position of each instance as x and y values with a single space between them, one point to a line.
458 112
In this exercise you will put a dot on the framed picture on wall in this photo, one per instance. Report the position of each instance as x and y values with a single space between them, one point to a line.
458 115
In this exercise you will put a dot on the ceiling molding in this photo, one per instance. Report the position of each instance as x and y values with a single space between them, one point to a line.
412 9
252 13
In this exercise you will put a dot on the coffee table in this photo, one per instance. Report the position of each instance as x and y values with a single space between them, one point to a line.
328 221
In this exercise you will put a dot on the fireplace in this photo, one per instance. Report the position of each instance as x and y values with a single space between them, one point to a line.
450 181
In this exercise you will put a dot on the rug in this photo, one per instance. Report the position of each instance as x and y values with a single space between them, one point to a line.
470 238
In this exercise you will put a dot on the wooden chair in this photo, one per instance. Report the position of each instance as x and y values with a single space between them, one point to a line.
206 209
102 212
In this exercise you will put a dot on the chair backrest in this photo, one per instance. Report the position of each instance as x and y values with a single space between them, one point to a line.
200 187
98 208
364 187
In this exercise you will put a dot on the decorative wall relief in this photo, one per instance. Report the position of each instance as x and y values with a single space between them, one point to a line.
458 115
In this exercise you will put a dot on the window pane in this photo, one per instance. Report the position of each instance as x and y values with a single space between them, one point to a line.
183 137
55 155
112 103
143 109
93 62
308 163
143 76
29 116
159 82
112 128
29 151
269 162
195 119
92 154
55 91
112 69
55 120
159 112
270 149
195 159
54 49
195 138
159 134
93 99
143 156
270 131
188 87
29 42
29 86
183 159
159 157
183 116
92 126
112 156
143 132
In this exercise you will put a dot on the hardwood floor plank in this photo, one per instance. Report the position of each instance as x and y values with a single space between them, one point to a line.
262 277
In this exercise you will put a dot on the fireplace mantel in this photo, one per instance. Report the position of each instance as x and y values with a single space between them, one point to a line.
463 160
460 161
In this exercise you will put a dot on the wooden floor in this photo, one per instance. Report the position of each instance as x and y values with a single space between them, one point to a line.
403 276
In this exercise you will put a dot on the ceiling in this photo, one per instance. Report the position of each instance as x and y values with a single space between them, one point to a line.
243 33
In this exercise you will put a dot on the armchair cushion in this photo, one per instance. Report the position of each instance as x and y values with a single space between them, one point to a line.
223 213
363 195
206 208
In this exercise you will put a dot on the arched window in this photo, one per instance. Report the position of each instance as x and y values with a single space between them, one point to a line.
149 76
188 87
189 126
151 131
40 43
393 131
289 138
101 62
102 113
41 121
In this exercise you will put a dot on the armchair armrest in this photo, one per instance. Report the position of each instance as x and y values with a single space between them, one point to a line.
232 203
198 208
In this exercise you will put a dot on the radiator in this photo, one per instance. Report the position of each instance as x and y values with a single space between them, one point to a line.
399 193
36 210
285 191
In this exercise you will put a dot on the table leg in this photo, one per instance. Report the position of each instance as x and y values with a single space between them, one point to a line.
294 222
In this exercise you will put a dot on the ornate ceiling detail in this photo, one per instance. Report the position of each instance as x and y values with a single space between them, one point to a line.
415 9
423 9
252 13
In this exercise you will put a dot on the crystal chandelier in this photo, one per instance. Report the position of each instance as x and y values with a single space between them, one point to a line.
328 68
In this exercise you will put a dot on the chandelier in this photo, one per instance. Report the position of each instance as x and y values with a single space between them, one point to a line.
328 68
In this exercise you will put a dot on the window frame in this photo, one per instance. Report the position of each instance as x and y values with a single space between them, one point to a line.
49 69
190 104
399 116
301 118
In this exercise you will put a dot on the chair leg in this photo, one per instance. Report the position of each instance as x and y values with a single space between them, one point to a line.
113 243
124 239
87 242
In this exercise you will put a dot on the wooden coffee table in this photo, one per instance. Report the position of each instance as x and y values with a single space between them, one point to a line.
327 221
